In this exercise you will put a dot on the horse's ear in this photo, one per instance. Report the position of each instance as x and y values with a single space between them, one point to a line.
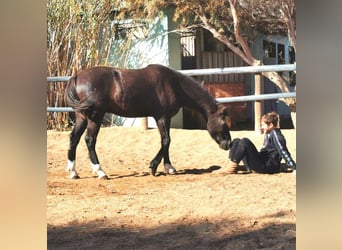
224 111
117 74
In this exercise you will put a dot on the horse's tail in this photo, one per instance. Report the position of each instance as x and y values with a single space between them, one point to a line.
71 96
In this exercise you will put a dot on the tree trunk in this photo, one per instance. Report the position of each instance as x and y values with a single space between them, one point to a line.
244 52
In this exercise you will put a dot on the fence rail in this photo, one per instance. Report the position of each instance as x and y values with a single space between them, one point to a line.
229 70
239 70
58 78
213 71
244 98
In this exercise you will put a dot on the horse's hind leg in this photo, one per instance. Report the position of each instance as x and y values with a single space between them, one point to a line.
92 132
76 133
164 130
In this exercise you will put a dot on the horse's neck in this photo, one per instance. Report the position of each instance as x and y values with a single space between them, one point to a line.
206 108
199 99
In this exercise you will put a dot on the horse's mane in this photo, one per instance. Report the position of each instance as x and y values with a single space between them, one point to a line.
197 97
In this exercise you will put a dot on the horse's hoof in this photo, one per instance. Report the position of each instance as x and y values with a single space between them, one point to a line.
169 169
105 177
153 171
75 177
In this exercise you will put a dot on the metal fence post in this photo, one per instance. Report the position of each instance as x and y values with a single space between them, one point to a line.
258 104
258 97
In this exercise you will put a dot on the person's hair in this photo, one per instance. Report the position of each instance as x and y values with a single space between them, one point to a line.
271 117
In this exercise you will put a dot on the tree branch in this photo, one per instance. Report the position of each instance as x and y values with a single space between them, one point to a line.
245 53
220 37
250 59
287 9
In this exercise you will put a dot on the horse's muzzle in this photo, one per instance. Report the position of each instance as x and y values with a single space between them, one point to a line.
225 144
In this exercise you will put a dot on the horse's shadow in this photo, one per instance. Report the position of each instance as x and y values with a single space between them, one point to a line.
198 171
135 174
194 171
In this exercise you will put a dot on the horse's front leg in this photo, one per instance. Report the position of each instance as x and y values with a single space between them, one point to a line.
164 130
75 135
92 132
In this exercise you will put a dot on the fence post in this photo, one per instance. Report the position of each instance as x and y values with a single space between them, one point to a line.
144 123
258 105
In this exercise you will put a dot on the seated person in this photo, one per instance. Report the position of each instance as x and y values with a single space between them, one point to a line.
272 152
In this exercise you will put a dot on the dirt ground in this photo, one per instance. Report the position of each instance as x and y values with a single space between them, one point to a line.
200 207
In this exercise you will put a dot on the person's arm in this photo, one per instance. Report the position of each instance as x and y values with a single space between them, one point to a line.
280 144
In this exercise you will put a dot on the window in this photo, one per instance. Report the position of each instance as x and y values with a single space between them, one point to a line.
270 49
292 59
281 53
210 43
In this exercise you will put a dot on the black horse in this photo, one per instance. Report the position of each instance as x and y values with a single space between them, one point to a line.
156 91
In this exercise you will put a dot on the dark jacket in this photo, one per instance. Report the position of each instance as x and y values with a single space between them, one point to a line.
274 150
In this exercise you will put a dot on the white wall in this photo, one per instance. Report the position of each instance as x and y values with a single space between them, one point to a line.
159 47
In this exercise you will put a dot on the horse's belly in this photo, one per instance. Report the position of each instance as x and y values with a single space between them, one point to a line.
131 111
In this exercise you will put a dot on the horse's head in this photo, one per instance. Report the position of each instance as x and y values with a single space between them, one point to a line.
218 127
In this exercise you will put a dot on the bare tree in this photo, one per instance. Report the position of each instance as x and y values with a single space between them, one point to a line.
245 51
77 33
288 10
81 34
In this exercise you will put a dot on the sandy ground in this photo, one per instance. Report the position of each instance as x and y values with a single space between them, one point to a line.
200 207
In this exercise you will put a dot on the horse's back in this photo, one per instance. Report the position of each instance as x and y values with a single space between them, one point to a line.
151 74
95 74
128 92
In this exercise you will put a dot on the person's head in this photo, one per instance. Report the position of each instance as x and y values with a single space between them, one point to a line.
269 122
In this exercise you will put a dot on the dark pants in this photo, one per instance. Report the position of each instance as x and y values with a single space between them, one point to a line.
243 149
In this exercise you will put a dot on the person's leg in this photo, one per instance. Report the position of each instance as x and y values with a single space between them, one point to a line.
232 167
239 149
249 154
233 148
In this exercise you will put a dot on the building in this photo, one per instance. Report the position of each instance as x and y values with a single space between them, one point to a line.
158 42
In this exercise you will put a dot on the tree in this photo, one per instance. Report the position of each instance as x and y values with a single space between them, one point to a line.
288 11
76 33
278 16
234 23
81 34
